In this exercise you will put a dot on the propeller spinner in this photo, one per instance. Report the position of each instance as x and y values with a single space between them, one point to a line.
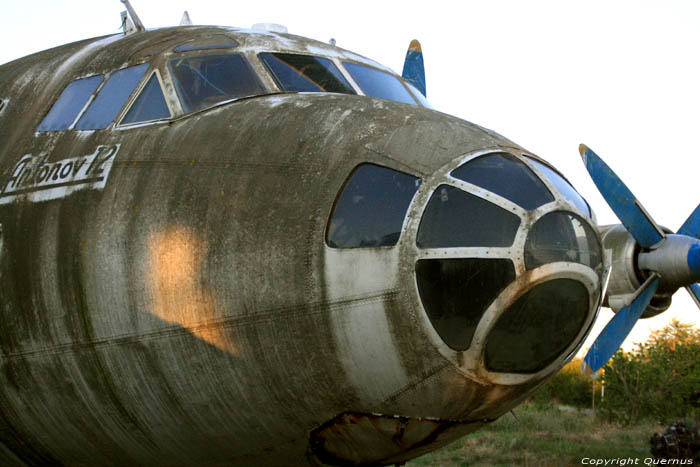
666 261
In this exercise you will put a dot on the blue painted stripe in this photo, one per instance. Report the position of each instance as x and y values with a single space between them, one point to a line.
620 326
621 200
691 227
414 71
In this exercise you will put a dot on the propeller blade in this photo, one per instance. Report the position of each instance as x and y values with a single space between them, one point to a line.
694 291
413 69
691 227
620 326
621 200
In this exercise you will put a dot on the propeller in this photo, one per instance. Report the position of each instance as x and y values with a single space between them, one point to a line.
669 261
413 68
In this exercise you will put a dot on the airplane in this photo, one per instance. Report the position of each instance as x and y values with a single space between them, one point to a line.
244 247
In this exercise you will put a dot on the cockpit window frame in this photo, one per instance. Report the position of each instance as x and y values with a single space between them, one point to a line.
91 97
98 92
280 85
246 60
135 96
343 62
199 44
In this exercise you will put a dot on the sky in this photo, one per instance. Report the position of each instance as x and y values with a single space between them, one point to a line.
620 76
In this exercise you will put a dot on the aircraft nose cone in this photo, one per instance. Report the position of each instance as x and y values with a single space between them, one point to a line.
518 315
508 266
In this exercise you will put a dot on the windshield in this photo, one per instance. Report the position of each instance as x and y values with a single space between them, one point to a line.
305 73
380 84
204 80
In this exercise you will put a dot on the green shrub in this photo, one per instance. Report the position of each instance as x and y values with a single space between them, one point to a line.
659 380
568 387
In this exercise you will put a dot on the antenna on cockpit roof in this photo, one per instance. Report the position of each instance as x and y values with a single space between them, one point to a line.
132 23
185 21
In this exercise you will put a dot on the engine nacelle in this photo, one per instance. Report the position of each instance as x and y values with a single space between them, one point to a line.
626 276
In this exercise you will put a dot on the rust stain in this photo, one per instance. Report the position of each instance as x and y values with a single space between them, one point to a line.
176 258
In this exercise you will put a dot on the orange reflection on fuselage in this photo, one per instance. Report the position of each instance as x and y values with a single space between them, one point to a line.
176 258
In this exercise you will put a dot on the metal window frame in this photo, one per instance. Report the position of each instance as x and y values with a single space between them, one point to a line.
97 92
386 72
471 361
135 96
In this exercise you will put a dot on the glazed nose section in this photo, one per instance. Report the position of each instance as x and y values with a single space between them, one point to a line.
508 277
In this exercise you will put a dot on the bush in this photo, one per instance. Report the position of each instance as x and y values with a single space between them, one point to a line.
568 387
659 380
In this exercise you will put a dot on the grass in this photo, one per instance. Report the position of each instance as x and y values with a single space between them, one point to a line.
545 436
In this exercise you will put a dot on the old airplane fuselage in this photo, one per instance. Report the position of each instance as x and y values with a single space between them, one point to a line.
197 274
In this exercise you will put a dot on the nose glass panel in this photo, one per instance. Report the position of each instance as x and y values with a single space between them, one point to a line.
566 190
456 292
371 209
506 176
537 328
562 236
455 218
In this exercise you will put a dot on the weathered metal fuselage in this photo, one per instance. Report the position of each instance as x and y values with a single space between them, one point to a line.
187 309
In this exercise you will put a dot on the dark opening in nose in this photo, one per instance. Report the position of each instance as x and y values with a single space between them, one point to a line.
456 293
537 328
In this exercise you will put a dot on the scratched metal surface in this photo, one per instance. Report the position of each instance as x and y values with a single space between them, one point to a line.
188 311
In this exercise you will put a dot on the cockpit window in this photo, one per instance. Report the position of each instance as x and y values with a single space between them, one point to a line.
506 176
150 105
111 98
212 42
371 209
305 73
454 218
204 80
566 190
69 104
379 84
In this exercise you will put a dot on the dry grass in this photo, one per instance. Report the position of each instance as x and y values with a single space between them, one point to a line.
545 437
